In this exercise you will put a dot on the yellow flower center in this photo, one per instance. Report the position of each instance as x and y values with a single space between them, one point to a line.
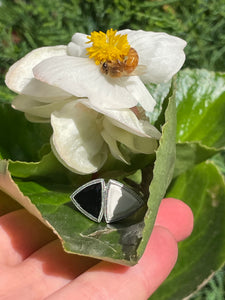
107 46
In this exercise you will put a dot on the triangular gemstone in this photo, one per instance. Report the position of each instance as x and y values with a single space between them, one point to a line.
120 201
89 198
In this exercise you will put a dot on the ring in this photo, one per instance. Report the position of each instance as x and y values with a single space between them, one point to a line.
109 202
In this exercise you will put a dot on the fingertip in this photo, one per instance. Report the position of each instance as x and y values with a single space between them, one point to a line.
177 216
163 246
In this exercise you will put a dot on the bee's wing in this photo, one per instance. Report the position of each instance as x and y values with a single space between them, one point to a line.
139 70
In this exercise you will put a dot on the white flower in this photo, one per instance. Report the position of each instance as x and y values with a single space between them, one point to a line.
87 92
51 74
83 135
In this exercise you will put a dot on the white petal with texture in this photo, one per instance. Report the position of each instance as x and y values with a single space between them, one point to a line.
78 45
80 39
113 147
82 78
135 143
41 89
76 140
126 119
36 119
35 107
76 50
162 53
136 87
20 77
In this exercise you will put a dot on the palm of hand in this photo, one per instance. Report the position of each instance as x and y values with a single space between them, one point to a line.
33 265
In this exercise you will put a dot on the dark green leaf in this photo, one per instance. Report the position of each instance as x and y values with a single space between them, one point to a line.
20 139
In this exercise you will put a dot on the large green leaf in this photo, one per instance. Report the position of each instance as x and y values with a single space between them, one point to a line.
200 102
203 189
122 242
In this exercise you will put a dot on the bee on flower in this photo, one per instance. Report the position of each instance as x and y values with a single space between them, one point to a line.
98 79
113 53
81 68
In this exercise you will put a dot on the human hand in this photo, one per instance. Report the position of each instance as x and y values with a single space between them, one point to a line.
33 265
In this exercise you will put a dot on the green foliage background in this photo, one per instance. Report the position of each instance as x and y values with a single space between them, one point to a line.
25 25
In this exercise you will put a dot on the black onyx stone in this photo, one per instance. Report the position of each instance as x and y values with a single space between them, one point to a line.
90 199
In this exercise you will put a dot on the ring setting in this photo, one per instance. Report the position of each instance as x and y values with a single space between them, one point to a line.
109 202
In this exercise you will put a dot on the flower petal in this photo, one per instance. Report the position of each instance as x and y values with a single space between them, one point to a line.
33 106
127 120
141 93
77 47
43 90
76 50
80 39
82 78
113 147
36 119
135 143
76 140
162 53
20 77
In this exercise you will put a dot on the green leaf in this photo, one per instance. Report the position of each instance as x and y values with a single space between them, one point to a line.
203 189
189 154
200 101
116 168
122 242
159 92
20 139
48 168
163 170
